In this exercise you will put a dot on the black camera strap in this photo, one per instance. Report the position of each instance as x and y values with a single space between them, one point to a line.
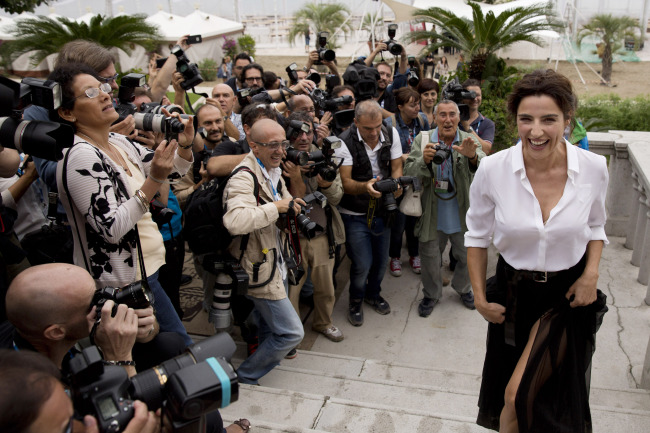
330 231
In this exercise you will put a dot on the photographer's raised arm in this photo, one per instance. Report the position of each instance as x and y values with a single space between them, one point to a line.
379 47
223 165
164 76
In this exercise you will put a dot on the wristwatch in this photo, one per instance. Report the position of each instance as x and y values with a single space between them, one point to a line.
177 51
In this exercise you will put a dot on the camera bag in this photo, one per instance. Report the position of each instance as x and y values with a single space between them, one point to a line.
204 210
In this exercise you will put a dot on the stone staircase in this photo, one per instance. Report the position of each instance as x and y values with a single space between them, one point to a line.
319 392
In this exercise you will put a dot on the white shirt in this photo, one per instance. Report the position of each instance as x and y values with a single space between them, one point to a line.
373 156
504 209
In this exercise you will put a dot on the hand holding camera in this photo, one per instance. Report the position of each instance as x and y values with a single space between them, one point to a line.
117 332
143 421
283 205
428 152
146 324
371 190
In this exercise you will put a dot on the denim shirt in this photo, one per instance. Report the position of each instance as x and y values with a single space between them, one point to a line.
403 129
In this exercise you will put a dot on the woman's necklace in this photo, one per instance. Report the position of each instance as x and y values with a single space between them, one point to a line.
112 153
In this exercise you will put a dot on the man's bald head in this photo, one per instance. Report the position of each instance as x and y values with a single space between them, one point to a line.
267 131
301 103
225 96
55 293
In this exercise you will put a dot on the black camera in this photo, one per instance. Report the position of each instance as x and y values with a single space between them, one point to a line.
296 156
160 214
189 385
457 93
170 126
388 186
189 70
243 94
323 160
413 78
442 153
391 44
135 295
231 279
363 78
297 222
324 53
126 95
37 138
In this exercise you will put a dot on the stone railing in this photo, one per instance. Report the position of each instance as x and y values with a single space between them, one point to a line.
628 201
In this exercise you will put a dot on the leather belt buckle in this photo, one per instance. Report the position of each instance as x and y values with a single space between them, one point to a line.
540 277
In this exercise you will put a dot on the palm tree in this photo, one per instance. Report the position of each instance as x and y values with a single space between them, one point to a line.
318 18
611 31
45 36
485 34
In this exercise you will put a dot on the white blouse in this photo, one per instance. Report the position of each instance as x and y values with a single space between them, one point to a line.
504 210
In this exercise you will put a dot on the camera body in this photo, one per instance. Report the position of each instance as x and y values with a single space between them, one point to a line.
126 95
323 52
413 78
388 186
323 160
442 153
190 385
363 78
391 44
188 69
297 222
37 138
243 94
457 93
160 213
135 295
230 279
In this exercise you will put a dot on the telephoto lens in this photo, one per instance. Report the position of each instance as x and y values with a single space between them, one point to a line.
220 314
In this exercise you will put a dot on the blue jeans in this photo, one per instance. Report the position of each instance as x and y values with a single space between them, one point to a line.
280 330
165 314
368 252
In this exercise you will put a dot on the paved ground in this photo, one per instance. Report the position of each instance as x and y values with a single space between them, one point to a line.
453 337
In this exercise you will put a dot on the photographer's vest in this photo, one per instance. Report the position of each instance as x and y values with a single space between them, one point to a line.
361 168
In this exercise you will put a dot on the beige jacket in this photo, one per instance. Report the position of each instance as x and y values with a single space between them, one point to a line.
243 216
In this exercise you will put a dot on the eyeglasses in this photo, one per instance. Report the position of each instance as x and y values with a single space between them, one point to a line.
308 110
274 145
93 92
108 79
253 79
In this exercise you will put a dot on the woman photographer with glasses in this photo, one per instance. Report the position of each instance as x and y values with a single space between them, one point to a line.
106 183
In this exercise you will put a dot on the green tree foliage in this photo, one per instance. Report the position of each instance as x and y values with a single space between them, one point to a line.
319 18
246 43
484 34
611 31
208 69
45 36
20 6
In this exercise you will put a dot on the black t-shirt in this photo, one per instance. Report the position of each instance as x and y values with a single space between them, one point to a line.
388 100
232 82
231 148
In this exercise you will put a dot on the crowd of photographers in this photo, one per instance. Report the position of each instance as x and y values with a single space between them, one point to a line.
270 183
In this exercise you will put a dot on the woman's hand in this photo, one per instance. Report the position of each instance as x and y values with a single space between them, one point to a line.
163 159
583 291
187 136
491 311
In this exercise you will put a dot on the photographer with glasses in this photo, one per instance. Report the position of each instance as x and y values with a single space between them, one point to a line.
267 251
106 183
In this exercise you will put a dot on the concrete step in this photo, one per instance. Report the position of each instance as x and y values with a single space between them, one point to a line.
362 392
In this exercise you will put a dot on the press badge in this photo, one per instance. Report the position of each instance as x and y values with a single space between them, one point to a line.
442 186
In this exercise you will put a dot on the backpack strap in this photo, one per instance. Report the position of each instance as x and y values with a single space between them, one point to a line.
243 244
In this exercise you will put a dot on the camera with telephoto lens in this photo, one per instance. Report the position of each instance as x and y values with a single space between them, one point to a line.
388 186
457 93
197 382
442 153
170 126
324 162
391 44
157 107
295 129
230 279
189 70
135 295
413 78
243 94
324 53
291 220
160 214
126 95
37 138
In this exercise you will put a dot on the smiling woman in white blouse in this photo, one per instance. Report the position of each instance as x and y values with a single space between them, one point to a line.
542 204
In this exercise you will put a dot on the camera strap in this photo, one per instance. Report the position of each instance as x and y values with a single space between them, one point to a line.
330 231
370 214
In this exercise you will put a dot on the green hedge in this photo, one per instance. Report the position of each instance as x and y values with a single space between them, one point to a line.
613 112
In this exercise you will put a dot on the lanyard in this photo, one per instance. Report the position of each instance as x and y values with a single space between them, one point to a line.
276 197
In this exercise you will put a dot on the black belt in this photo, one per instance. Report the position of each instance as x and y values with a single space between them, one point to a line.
536 276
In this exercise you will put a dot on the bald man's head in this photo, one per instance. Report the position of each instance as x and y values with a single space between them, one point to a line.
225 96
266 139
51 294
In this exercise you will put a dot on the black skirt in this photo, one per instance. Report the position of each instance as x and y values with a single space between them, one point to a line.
554 392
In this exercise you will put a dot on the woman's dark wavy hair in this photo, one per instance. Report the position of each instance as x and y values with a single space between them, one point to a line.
428 84
65 76
544 82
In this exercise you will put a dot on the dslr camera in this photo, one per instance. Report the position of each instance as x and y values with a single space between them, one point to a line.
457 93
37 138
324 162
231 279
391 44
324 53
388 186
126 94
188 386
442 153
135 295
299 222
170 126
189 70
